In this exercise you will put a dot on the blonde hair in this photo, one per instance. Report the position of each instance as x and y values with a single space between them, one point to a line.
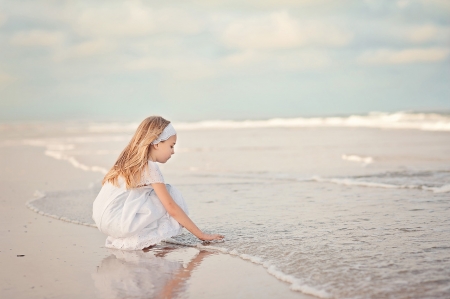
133 159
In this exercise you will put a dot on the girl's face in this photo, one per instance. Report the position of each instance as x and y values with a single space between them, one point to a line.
162 151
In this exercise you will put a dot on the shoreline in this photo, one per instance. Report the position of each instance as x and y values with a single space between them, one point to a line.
43 257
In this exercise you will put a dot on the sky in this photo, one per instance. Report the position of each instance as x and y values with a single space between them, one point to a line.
198 60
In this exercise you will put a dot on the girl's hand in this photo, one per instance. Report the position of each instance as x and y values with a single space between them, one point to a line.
208 237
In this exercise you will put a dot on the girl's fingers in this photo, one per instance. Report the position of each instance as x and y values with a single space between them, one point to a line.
214 237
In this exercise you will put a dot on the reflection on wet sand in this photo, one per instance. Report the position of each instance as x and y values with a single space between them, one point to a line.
160 272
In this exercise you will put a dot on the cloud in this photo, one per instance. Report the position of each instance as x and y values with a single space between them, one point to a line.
405 4
178 67
242 63
3 19
441 4
389 32
406 56
272 4
427 33
269 61
132 18
6 79
88 48
278 30
61 50
37 38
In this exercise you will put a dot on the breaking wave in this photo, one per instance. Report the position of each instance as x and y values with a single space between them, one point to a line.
382 120
434 181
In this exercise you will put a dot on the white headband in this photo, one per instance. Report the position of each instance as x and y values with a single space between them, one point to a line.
168 132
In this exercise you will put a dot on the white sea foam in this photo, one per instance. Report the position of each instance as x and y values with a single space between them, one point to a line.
351 182
38 194
354 182
397 120
74 162
296 284
442 189
59 148
253 259
356 158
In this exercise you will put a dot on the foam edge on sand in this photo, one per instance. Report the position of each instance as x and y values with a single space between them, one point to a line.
40 195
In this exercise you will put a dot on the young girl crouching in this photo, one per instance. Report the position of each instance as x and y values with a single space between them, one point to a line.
135 208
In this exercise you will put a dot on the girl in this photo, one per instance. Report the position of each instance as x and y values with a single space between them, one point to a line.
134 207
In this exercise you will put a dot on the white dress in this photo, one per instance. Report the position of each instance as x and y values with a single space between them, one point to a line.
134 219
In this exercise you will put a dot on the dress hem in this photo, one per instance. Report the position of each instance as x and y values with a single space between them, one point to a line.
148 243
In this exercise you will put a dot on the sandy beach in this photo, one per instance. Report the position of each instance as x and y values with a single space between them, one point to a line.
358 212
42 257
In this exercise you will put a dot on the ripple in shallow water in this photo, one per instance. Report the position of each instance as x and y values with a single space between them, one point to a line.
351 242
348 242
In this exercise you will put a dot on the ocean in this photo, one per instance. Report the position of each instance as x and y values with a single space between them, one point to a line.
339 207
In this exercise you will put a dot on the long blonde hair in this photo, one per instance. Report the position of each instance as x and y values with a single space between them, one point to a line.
133 159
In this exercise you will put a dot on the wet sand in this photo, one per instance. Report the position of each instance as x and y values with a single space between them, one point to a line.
46 258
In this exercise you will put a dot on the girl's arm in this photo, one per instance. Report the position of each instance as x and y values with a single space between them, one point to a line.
176 212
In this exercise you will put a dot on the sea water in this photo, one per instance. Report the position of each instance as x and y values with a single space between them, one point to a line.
345 207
